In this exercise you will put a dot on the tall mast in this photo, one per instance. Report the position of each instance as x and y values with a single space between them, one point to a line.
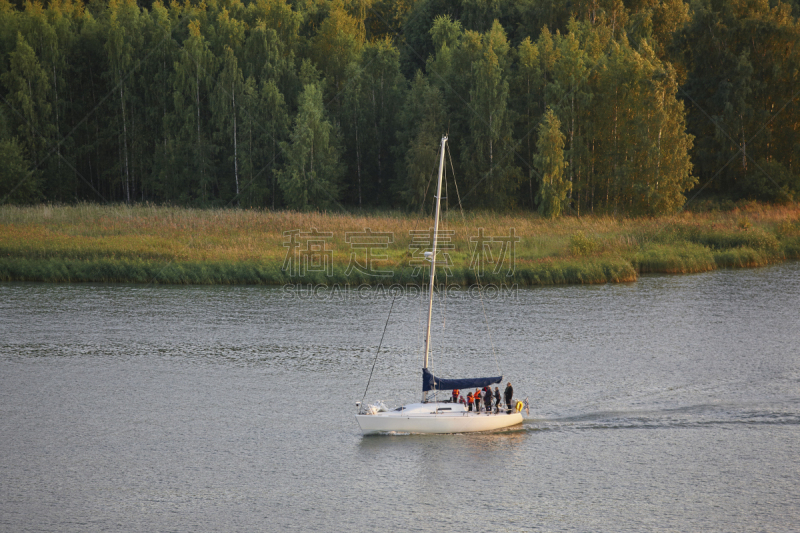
433 259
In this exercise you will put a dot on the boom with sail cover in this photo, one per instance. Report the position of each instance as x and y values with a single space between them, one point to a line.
431 382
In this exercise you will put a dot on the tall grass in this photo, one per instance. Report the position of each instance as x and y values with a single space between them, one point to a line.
683 258
155 244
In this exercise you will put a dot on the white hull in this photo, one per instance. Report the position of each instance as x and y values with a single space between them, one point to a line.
435 418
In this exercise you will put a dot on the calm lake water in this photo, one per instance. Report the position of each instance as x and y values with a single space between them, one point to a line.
670 404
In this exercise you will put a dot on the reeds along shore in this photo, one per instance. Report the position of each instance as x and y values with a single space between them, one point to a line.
151 244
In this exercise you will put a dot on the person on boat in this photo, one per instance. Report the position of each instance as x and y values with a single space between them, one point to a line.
509 394
477 396
461 400
496 399
487 399
455 395
470 401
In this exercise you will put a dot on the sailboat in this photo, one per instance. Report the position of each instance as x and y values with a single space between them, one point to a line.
437 416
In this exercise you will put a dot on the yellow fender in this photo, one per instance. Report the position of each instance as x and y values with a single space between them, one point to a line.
519 406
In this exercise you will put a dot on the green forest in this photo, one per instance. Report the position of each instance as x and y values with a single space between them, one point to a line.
627 107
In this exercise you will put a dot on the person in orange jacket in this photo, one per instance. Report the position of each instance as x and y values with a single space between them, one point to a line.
470 401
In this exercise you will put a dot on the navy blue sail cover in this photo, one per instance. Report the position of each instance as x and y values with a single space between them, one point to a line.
430 382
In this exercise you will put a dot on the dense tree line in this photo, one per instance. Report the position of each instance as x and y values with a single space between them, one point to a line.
620 106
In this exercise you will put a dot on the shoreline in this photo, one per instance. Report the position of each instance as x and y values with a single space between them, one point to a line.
167 245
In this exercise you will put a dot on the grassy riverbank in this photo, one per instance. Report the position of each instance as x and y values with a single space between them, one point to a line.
147 244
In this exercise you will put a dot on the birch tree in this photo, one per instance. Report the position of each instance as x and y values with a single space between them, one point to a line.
28 89
124 42
193 155
225 112
553 188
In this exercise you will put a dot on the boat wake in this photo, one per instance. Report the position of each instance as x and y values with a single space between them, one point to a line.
700 416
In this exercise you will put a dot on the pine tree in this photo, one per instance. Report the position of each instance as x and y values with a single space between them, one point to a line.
312 172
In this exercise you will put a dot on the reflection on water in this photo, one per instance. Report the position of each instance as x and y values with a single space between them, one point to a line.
672 403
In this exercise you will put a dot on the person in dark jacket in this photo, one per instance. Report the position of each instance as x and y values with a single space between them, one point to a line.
496 400
487 398
509 394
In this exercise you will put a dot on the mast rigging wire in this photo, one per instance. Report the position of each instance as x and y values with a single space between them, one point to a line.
394 297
